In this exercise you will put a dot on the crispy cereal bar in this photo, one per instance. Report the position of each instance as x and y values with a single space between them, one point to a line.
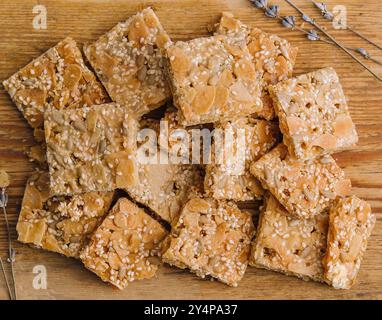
122 248
58 223
289 245
313 114
272 56
304 187
212 78
91 149
129 61
165 188
220 182
211 238
59 79
350 225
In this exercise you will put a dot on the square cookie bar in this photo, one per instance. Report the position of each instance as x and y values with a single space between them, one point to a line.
289 245
59 79
211 238
129 61
212 78
91 149
313 114
121 250
304 187
220 182
273 57
350 225
57 223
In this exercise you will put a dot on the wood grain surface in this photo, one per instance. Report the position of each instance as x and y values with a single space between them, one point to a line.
87 20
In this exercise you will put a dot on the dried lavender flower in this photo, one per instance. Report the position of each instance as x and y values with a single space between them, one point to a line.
328 15
324 10
260 3
272 11
312 35
363 52
288 21
321 6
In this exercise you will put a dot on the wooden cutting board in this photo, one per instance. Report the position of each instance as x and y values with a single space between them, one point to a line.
86 21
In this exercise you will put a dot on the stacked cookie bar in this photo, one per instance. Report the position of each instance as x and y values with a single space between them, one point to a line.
281 130
320 232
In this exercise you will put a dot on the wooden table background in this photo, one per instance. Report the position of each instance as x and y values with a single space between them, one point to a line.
86 21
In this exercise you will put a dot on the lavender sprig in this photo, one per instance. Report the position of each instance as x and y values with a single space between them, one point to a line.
312 35
287 21
290 23
4 183
328 15
332 39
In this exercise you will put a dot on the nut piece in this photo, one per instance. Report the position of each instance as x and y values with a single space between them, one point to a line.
91 149
4 179
350 225
313 114
212 78
59 78
223 179
288 245
129 61
121 249
59 224
211 238
304 187
272 56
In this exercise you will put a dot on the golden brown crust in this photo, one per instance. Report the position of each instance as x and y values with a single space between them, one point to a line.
91 149
121 250
350 225
128 60
304 187
273 57
59 79
57 223
211 238
212 78
289 245
313 114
